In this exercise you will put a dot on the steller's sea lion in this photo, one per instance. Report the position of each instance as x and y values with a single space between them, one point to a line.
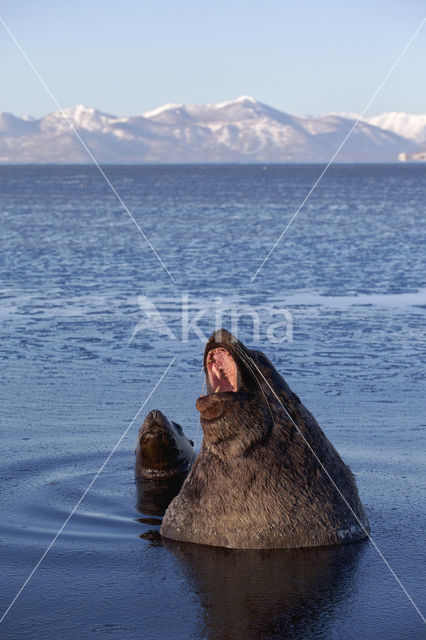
266 476
163 458
162 449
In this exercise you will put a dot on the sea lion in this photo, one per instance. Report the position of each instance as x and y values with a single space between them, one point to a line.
163 450
163 458
266 476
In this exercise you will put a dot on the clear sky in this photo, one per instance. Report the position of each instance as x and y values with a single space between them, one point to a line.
126 57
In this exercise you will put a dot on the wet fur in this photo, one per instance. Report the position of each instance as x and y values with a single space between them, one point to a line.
256 484
162 450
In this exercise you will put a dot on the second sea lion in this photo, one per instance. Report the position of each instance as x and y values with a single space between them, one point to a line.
162 450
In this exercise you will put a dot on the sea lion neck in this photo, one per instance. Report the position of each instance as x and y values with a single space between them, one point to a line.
233 423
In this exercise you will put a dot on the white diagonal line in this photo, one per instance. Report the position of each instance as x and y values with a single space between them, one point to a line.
342 496
84 145
83 496
379 88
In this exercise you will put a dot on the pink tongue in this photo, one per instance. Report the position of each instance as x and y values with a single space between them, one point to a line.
219 381
222 370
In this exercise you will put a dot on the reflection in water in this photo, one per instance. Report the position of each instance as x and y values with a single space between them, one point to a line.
269 594
153 536
154 496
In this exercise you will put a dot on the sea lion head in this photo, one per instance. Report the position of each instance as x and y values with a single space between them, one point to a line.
162 450
235 413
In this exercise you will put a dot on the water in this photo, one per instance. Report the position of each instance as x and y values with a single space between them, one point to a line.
350 274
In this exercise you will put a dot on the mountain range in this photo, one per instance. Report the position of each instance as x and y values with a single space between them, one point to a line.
242 130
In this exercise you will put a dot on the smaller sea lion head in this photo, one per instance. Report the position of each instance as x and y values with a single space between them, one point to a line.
235 413
163 449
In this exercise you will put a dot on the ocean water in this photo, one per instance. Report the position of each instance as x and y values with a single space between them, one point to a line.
90 320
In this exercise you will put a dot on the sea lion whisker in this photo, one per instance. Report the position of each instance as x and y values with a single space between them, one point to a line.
249 365
247 360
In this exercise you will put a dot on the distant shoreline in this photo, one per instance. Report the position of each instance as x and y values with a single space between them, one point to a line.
398 163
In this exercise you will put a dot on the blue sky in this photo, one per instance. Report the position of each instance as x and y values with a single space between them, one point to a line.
304 57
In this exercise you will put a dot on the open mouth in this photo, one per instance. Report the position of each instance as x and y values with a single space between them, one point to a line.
222 372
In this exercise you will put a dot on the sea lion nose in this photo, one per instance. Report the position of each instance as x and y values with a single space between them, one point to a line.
156 414
209 407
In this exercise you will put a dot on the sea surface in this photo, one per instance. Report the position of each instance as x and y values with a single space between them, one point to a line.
90 320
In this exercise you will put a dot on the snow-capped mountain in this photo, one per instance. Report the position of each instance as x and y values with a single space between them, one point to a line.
241 130
82 118
410 126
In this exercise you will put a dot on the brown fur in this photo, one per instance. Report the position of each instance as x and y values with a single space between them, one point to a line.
162 449
256 483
